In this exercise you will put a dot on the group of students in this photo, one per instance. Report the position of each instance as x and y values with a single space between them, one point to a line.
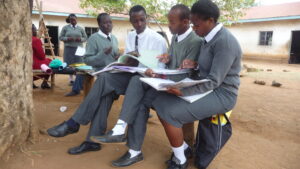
207 48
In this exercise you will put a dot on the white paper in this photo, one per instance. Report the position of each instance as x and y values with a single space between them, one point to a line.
196 97
80 51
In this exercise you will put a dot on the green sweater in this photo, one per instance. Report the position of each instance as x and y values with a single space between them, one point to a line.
69 32
94 54
188 48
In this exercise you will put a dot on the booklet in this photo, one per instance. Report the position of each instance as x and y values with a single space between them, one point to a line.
80 51
163 84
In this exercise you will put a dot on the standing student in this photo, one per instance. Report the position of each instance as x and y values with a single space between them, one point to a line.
73 36
97 104
185 47
219 62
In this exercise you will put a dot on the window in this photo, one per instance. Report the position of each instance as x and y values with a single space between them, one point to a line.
265 38
90 30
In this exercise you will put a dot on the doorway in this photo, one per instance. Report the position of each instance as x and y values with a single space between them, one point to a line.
295 48
53 33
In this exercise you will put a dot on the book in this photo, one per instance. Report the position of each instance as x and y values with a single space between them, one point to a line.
164 84
80 51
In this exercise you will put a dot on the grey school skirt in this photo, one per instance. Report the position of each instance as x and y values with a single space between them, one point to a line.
177 111
70 57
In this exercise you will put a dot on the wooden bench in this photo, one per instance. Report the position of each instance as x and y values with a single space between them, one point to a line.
38 72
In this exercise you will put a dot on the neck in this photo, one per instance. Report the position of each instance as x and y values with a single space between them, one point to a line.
183 30
211 28
140 31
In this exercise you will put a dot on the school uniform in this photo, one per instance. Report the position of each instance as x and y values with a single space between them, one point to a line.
97 104
220 62
139 95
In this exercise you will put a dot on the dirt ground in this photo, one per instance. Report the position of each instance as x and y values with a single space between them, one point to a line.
266 129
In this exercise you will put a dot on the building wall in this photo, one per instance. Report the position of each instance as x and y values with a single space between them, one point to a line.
120 28
248 36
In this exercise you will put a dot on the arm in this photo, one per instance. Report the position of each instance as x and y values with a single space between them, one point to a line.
224 56
38 49
162 48
83 35
62 35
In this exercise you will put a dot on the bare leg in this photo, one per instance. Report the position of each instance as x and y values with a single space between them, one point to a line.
174 134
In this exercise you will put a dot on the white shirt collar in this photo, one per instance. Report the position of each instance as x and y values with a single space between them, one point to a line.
213 32
74 26
184 35
103 34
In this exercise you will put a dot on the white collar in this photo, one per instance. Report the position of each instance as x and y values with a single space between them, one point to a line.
184 35
74 26
213 32
103 34
141 35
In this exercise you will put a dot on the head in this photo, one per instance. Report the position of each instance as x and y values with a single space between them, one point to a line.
72 19
204 16
179 19
34 30
105 23
138 18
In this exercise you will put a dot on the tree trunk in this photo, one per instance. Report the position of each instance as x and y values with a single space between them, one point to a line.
16 116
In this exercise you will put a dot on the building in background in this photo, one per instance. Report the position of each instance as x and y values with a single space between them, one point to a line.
270 32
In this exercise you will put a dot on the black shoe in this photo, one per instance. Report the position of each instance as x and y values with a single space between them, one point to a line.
34 86
62 130
187 152
45 85
175 164
125 160
109 138
85 147
72 93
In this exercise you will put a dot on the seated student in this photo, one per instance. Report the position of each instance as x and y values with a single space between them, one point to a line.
97 104
220 62
185 47
39 58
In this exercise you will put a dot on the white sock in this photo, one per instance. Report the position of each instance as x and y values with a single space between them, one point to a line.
179 153
133 153
71 77
185 146
119 128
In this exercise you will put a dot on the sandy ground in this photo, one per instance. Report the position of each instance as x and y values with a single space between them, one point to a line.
266 129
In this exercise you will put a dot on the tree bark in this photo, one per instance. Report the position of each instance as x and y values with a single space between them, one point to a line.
16 115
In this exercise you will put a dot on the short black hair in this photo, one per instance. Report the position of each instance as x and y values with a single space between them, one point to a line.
100 16
68 18
206 9
137 8
185 11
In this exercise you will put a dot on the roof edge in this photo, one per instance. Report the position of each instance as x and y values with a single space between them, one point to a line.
269 19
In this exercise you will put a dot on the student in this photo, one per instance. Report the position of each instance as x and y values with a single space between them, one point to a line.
39 58
185 47
73 36
97 104
220 62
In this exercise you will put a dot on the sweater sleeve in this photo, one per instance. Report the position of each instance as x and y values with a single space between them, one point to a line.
223 58
38 49
95 56
194 50
83 35
62 35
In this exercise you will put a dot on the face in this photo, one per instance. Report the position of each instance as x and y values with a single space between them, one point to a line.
105 24
73 20
202 27
176 25
139 21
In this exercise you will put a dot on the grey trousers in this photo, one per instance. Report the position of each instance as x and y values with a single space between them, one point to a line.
97 104
135 111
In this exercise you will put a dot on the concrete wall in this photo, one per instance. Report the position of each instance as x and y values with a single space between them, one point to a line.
248 36
120 29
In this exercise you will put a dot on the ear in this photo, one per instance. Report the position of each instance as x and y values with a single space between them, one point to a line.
186 22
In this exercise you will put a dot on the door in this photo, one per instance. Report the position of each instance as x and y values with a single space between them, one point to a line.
53 33
295 48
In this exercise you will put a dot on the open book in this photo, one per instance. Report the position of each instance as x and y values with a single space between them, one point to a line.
163 84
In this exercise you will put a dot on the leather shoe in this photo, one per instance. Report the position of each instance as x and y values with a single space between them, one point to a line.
175 164
84 147
62 130
125 160
108 138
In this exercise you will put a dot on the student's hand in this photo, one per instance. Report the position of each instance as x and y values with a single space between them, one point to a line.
164 58
78 39
70 39
188 64
108 50
150 73
174 91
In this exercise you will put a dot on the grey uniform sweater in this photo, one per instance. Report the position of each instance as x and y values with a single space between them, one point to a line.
188 48
69 32
94 54
220 62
